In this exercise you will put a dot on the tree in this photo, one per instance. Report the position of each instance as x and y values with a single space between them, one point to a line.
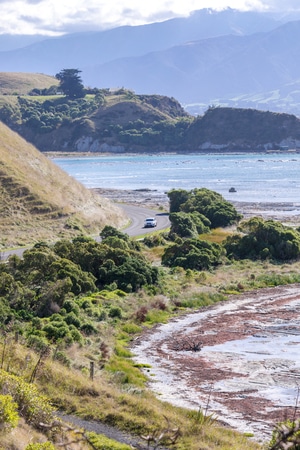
71 83
177 197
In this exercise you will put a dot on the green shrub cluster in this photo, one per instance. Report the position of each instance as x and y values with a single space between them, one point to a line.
217 211
117 261
164 132
193 254
32 406
9 416
51 288
260 239
45 116
188 225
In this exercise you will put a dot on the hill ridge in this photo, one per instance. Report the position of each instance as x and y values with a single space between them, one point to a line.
39 201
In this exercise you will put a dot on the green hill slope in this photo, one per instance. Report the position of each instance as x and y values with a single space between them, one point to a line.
12 83
39 201
122 121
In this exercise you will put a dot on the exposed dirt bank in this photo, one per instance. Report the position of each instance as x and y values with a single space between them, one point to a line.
248 370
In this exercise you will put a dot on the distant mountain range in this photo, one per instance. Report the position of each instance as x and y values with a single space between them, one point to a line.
228 58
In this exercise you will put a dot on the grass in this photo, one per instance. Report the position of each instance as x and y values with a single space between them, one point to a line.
47 205
17 83
216 236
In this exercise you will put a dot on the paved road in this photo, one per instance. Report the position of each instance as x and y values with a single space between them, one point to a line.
137 216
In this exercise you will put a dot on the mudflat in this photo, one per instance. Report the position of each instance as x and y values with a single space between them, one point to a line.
247 369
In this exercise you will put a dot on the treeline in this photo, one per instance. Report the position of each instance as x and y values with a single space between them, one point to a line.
45 116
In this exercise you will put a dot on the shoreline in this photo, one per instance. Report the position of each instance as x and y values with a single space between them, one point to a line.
285 212
247 354
70 154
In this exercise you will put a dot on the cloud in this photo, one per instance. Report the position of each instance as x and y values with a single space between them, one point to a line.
56 16
289 5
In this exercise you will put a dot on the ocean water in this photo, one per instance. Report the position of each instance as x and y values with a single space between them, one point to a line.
267 177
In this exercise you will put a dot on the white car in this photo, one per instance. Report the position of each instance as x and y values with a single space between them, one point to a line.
150 222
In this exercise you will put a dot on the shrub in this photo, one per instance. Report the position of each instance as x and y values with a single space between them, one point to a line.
210 204
71 318
182 225
154 240
101 442
9 416
264 239
141 314
56 330
34 407
43 446
115 312
286 435
193 254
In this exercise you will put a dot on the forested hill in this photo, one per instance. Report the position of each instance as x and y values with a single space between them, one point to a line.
122 121
39 201
243 129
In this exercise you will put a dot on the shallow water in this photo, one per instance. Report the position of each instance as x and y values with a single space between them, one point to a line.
264 366
256 177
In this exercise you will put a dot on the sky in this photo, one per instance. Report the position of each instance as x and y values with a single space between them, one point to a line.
57 17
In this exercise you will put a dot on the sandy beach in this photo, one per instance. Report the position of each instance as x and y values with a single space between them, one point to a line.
287 213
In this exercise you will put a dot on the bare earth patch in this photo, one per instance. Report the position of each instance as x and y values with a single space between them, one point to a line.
248 371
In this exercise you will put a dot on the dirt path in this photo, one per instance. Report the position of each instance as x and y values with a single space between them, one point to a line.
248 370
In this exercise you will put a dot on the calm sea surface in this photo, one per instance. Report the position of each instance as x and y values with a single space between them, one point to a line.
256 177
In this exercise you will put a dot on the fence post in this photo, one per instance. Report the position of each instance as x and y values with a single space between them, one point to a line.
92 370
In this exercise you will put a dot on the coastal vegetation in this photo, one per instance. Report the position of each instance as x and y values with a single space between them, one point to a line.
77 304
71 306
101 120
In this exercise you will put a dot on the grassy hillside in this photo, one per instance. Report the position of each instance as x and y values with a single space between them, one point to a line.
15 83
39 201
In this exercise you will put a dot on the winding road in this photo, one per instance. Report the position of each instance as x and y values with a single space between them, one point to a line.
136 215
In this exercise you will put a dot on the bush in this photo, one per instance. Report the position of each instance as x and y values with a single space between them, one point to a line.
182 225
286 436
9 416
101 442
154 240
193 254
210 204
264 239
43 446
115 312
34 407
